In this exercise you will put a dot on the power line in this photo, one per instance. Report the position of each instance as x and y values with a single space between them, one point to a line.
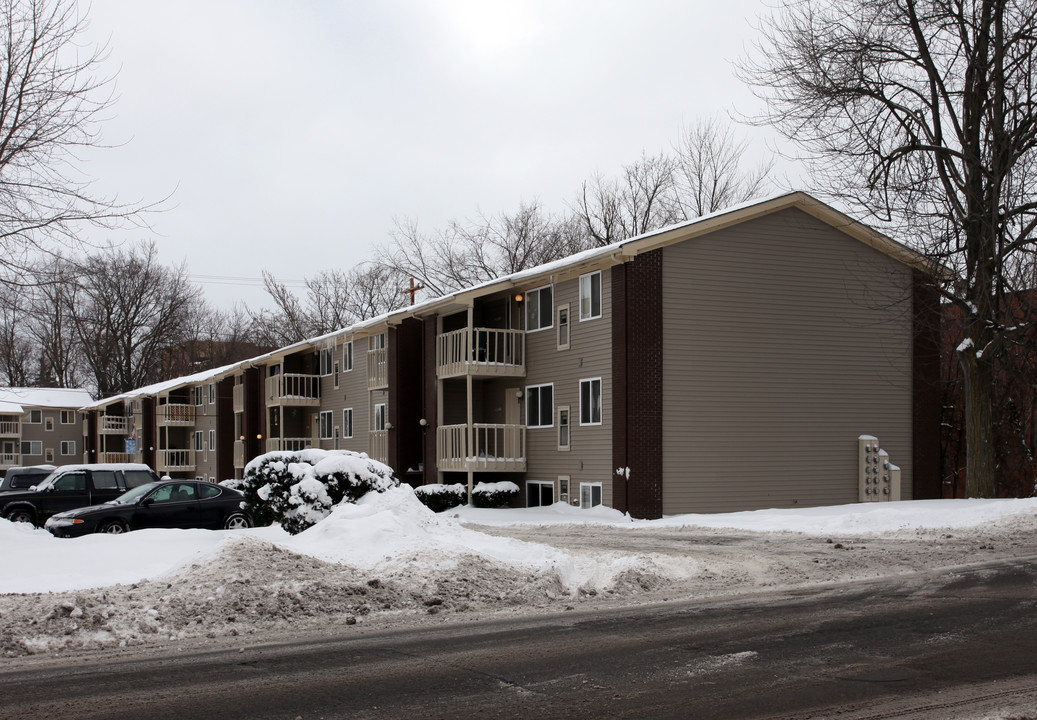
241 280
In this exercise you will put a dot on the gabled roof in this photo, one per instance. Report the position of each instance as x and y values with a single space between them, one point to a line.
43 398
161 387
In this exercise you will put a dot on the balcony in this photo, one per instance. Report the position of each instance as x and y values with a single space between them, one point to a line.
113 424
377 369
239 398
176 414
293 389
8 460
288 444
497 448
175 460
484 352
378 445
10 428
115 457
239 454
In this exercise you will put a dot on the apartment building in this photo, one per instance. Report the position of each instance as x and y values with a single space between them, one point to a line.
727 363
40 426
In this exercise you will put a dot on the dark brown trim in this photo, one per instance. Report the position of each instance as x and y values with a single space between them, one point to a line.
252 420
405 359
225 429
148 424
926 390
620 417
430 401
91 436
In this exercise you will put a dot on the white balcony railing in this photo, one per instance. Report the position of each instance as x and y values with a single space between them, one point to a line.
481 351
113 424
378 445
169 460
495 448
288 444
293 389
176 414
377 369
10 428
239 398
10 460
116 457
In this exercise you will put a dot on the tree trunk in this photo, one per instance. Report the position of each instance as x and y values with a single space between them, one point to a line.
981 479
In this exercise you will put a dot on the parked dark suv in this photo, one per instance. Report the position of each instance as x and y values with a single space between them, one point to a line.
73 486
23 478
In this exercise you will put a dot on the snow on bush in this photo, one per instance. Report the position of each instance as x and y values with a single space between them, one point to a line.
299 489
494 495
438 498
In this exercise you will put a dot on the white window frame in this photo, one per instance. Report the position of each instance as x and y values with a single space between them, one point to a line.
35 447
379 341
587 495
69 414
563 488
587 296
347 422
380 418
335 372
324 357
196 391
68 445
212 393
540 484
212 439
587 413
566 326
327 420
48 424
347 356
566 427
49 455
38 414
199 440
534 296
538 390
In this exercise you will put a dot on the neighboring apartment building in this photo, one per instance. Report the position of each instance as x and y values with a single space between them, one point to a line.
727 363
41 426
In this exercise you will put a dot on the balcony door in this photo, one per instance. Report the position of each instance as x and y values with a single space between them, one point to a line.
512 406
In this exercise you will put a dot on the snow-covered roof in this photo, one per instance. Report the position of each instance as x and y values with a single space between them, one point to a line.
43 398
161 387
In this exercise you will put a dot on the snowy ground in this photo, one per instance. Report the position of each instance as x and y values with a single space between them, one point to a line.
389 561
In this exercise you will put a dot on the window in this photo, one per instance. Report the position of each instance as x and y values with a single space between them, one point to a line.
563 327
590 495
212 393
347 356
378 341
325 424
539 493
590 402
104 479
379 416
563 427
336 373
35 417
48 423
563 488
49 455
197 393
347 422
325 361
199 440
68 417
209 491
212 439
68 447
539 304
590 296
32 447
540 406
136 478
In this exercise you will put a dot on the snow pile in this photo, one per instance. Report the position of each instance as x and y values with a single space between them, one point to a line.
494 495
299 489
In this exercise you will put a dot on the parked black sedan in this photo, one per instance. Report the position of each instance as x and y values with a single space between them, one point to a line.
163 504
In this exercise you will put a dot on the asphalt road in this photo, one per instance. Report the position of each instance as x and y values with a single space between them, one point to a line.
954 644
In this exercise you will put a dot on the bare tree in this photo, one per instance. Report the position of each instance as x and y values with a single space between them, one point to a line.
641 200
128 309
50 324
51 102
709 172
17 354
923 113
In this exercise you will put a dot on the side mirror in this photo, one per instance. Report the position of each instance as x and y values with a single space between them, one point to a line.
147 502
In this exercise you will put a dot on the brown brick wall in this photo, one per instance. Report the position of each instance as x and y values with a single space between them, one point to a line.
926 389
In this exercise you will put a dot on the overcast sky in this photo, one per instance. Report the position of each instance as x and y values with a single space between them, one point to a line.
291 134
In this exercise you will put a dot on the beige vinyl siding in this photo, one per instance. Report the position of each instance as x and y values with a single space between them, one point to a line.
589 356
351 392
205 420
784 340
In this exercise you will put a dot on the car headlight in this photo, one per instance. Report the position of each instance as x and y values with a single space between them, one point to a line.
63 522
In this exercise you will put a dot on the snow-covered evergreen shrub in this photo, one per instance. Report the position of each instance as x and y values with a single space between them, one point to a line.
298 489
232 483
494 495
438 498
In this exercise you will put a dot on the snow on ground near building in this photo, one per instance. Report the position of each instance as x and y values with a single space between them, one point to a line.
392 533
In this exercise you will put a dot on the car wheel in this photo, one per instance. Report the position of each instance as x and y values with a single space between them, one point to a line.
113 527
24 516
237 521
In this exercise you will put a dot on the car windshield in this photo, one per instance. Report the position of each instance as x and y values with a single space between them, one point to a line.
131 496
